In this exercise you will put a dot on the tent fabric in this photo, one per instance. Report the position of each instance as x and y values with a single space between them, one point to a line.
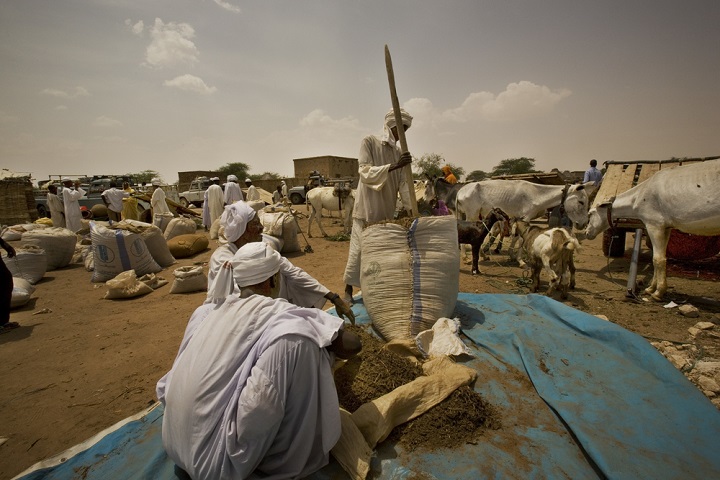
579 397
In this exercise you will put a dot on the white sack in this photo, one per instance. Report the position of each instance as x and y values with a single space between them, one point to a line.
58 243
410 277
442 339
179 226
117 251
189 279
126 285
154 239
161 220
22 290
283 226
29 263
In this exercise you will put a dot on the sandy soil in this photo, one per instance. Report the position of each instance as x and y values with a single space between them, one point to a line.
91 362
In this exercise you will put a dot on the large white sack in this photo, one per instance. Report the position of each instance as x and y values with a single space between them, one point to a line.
189 279
410 277
22 290
283 226
117 251
126 285
29 263
58 243
179 226
154 240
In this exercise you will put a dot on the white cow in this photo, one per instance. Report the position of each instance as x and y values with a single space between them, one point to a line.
686 198
322 197
519 199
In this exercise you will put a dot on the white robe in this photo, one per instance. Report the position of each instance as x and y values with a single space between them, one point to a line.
296 285
251 392
57 210
376 196
73 217
114 198
213 205
158 203
252 193
232 193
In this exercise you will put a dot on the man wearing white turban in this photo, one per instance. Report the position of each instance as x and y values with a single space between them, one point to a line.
71 193
252 192
157 201
213 203
242 226
232 190
251 391
379 165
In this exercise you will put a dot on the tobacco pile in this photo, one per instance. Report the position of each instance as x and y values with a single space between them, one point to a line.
461 418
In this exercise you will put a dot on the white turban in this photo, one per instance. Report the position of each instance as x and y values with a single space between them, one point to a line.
231 178
155 181
66 179
390 118
253 263
235 219
247 180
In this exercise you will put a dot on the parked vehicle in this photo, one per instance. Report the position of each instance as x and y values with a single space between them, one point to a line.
298 195
196 193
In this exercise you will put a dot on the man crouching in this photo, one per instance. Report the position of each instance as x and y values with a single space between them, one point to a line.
251 390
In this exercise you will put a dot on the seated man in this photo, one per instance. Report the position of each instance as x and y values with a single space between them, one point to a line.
251 391
243 226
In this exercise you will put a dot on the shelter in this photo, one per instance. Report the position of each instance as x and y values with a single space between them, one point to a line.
17 200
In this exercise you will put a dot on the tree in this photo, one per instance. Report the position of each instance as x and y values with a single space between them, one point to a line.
239 169
144 176
476 176
429 165
514 166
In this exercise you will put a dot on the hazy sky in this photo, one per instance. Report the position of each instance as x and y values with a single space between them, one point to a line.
119 86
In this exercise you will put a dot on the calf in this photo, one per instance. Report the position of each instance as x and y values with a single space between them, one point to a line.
552 249
474 233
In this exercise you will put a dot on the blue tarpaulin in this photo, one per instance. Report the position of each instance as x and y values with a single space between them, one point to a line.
578 397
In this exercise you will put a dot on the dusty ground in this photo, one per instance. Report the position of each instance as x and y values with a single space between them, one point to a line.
91 362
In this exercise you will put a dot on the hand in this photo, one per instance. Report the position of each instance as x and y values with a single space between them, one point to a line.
11 253
343 309
405 159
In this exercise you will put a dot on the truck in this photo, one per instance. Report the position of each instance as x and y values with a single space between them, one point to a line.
195 195
298 194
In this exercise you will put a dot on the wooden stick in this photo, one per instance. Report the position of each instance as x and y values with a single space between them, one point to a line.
401 131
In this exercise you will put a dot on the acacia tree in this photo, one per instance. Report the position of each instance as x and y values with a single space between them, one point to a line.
239 169
144 176
429 165
514 166
476 176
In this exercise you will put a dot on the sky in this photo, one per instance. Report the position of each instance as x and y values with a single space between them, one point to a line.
120 86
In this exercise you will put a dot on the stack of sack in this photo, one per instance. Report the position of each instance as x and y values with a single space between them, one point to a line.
282 226
58 244
116 251
29 263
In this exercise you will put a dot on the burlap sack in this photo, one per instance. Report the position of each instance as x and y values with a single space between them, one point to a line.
21 292
189 279
283 226
154 239
162 220
410 276
58 243
187 245
126 285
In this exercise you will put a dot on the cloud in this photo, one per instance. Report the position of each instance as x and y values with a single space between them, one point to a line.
190 83
519 101
171 44
318 119
6 118
54 92
104 121
137 28
228 6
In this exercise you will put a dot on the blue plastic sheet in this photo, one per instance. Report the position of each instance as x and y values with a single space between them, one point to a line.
579 397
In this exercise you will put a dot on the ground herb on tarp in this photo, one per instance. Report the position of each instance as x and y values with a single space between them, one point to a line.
461 418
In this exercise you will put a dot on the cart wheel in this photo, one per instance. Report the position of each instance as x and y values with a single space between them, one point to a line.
613 243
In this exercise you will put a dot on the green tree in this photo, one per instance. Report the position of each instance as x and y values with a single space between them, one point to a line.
239 169
514 166
266 176
144 176
429 165
476 176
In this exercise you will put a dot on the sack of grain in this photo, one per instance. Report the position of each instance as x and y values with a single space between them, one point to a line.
215 229
283 226
187 245
161 220
179 226
58 243
126 285
275 242
117 251
21 292
98 211
189 279
154 239
29 263
410 276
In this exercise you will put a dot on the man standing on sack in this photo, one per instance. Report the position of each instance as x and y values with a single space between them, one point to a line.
380 164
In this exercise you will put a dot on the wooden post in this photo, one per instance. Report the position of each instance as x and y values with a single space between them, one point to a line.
401 131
